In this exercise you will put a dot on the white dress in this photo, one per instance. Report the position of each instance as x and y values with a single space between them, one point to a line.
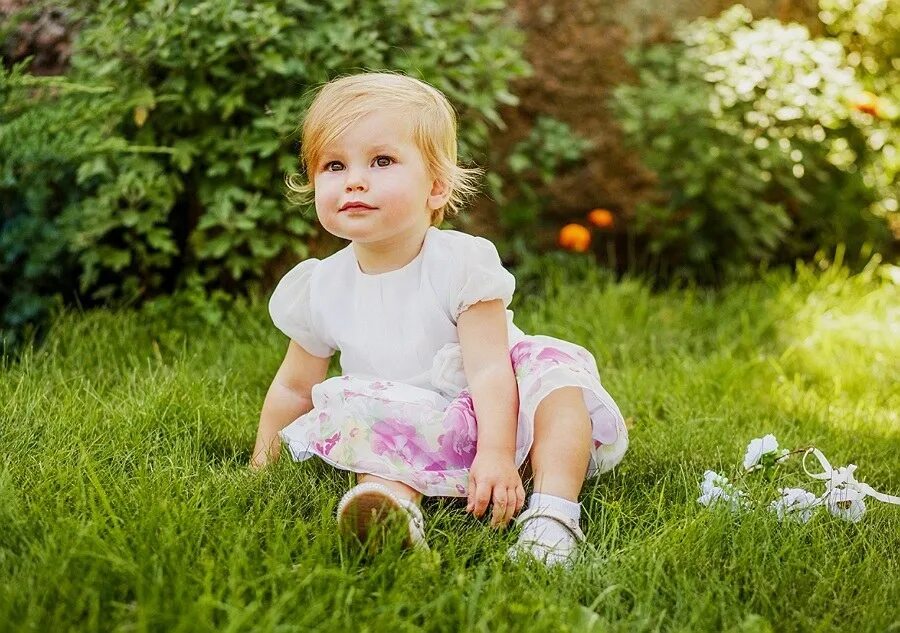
401 408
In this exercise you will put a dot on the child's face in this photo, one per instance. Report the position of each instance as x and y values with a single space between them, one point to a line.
377 162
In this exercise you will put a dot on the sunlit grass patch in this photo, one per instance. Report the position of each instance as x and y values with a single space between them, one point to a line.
844 329
126 504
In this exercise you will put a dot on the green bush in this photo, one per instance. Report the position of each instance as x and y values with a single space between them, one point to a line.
870 33
530 166
157 164
533 163
39 151
759 155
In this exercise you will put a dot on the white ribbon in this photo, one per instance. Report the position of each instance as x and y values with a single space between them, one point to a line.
841 480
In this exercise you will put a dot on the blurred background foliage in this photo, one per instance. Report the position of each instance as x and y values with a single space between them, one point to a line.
156 163
143 145
762 148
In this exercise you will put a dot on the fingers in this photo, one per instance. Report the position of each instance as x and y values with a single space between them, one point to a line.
479 497
513 504
505 501
501 510
520 498
482 499
507 504
515 501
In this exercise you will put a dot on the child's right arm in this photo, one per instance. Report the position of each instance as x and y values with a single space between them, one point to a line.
288 398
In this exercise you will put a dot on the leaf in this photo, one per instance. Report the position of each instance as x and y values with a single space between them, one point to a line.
183 155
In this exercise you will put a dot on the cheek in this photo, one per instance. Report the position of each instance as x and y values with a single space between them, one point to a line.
401 189
325 202
325 193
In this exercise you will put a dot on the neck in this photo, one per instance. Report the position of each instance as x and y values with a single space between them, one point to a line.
390 254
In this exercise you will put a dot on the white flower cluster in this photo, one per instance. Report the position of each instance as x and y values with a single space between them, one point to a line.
796 504
715 488
844 496
761 451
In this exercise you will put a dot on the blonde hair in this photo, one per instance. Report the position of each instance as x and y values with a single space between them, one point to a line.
343 101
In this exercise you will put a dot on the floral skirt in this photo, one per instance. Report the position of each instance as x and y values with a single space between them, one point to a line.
426 438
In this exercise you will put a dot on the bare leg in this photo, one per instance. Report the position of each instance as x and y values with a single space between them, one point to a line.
562 443
400 489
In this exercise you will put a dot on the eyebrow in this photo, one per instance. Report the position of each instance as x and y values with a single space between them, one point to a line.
372 148
383 146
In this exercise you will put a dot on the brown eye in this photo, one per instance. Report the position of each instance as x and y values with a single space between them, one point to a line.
334 162
387 158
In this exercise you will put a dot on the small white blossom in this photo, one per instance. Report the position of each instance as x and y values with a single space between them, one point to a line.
795 504
715 488
760 447
845 496
847 503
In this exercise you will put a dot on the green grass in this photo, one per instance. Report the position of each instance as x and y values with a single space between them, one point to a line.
125 503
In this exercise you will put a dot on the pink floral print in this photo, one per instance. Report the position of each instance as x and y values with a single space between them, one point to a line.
399 439
428 441
457 443
326 446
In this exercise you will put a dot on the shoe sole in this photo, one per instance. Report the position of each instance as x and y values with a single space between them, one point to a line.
368 514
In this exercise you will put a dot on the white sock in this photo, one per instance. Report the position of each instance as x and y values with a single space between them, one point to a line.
571 509
546 539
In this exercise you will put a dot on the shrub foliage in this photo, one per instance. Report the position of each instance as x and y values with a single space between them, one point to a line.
157 162
760 151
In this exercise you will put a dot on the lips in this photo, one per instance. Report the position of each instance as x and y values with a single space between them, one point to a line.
356 206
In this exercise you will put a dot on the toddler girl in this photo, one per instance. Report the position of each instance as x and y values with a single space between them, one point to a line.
440 393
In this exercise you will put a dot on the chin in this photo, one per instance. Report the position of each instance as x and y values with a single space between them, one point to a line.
354 233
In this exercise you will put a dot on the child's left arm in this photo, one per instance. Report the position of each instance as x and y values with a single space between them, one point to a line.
493 476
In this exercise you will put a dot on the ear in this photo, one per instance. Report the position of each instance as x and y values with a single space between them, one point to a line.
440 194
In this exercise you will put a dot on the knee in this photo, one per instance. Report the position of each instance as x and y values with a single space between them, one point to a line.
564 403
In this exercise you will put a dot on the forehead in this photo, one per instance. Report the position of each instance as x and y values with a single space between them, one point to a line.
377 130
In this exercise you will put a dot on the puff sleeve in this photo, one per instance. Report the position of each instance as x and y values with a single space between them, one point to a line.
292 312
482 276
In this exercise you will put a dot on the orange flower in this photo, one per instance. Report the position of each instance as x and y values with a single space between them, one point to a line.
575 237
601 218
866 102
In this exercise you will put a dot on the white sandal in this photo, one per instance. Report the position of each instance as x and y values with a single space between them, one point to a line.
538 549
369 504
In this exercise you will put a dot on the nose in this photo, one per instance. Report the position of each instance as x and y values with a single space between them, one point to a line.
355 181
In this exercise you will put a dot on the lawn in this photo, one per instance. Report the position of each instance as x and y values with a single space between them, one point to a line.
126 504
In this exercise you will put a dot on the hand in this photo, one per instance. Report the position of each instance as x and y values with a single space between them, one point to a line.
494 479
261 458
258 462
266 451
